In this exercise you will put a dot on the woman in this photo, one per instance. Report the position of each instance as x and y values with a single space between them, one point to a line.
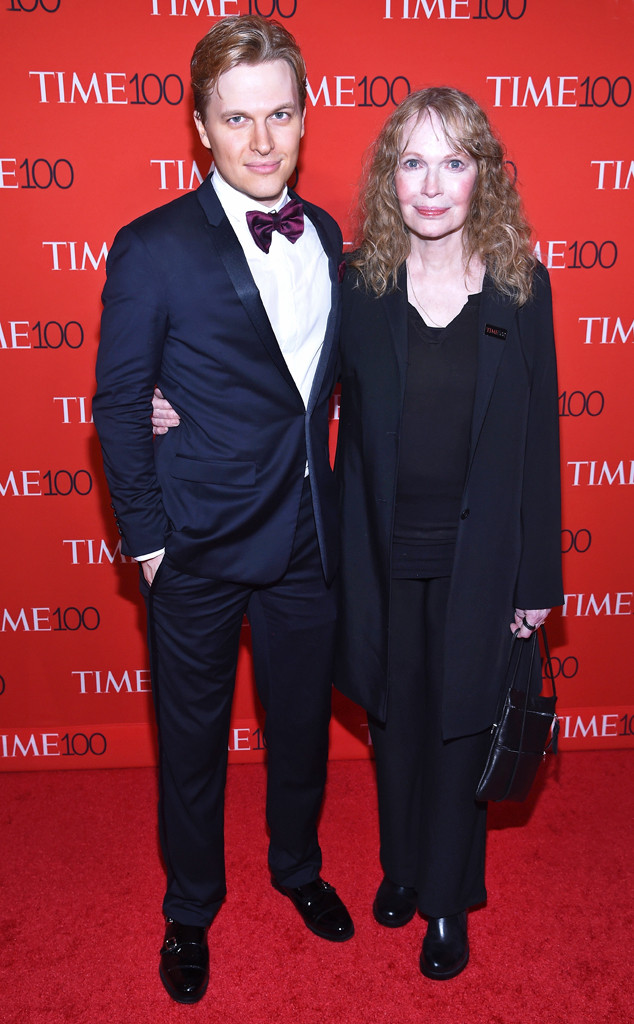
448 461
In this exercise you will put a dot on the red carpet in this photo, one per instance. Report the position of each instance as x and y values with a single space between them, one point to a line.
82 883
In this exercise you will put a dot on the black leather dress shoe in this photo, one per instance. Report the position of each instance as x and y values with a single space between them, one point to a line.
394 905
322 910
445 949
184 967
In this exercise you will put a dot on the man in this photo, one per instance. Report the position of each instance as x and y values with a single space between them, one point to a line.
234 512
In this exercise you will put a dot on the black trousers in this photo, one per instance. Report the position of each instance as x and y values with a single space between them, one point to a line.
194 630
432 830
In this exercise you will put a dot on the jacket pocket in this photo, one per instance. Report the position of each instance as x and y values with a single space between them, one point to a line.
241 474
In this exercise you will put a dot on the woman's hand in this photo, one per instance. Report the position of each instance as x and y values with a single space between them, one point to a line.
163 416
527 620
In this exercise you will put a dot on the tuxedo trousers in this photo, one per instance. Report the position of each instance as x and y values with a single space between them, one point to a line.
194 627
432 829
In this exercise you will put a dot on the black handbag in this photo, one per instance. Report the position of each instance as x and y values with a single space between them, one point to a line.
522 727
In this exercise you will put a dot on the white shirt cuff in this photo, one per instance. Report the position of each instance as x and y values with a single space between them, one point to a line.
152 554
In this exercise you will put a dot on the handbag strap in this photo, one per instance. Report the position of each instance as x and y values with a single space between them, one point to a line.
549 664
516 650
533 644
552 746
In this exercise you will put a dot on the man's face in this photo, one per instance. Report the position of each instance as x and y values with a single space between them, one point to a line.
253 127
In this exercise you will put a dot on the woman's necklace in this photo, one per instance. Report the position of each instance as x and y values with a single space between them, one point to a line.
418 302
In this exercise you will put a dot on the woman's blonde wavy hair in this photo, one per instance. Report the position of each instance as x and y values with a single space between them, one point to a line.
495 229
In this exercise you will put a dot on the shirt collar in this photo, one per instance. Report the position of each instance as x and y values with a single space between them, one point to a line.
236 204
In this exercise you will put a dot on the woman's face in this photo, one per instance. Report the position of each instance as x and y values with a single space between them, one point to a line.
434 182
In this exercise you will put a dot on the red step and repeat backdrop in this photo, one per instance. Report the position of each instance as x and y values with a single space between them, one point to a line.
97 128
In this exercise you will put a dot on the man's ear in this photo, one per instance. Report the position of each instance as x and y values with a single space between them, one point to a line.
202 131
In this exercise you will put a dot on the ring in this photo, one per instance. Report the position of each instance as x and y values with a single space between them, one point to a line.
528 625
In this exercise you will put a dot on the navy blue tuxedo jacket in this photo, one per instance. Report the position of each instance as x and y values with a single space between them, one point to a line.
181 311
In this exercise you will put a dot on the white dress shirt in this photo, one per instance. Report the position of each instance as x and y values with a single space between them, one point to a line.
294 285
292 279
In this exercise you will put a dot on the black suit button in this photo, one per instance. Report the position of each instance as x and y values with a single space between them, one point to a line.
466 512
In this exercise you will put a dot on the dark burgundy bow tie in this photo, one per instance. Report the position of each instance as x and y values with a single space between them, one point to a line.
289 222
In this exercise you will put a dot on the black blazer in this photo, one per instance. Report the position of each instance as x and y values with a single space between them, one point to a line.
181 310
509 532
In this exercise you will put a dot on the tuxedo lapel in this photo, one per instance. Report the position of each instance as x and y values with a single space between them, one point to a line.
232 256
332 326
497 315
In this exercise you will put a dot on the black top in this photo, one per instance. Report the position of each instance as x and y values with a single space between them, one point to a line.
434 443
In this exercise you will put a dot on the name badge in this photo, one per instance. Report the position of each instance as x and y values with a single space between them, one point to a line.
496 332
